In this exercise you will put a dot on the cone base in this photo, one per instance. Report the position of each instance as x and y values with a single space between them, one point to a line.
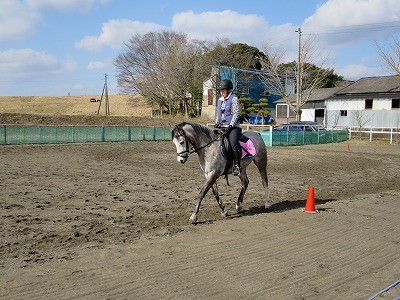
309 211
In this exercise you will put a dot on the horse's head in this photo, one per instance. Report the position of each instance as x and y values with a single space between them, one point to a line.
181 142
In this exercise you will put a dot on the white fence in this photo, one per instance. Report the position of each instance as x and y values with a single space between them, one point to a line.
377 132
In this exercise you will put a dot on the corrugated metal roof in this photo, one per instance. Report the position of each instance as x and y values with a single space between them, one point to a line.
316 94
370 87
367 85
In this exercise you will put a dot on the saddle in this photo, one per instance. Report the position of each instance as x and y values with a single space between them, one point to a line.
248 149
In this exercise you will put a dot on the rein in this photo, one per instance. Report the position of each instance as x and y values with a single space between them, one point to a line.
193 150
209 143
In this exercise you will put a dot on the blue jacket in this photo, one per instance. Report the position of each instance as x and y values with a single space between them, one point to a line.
231 115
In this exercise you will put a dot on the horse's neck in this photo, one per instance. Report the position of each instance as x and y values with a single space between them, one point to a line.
199 140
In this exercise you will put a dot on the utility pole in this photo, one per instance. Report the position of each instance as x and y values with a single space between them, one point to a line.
298 78
105 94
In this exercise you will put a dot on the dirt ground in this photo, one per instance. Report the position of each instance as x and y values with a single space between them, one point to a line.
111 221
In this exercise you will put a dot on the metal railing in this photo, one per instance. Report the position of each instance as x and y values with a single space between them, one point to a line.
375 132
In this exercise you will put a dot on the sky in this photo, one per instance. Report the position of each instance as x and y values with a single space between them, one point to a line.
61 47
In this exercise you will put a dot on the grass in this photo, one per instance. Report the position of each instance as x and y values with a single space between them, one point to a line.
79 110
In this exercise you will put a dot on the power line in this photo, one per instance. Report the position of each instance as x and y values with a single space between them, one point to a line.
383 26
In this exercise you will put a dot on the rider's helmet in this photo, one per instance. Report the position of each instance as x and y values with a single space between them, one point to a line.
225 84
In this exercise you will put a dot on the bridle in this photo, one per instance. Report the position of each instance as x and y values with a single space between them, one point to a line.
185 153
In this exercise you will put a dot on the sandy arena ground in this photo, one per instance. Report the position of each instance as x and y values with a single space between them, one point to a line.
111 221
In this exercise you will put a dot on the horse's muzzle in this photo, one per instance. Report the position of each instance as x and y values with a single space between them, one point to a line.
182 157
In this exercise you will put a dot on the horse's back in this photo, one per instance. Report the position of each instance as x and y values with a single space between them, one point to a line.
255 137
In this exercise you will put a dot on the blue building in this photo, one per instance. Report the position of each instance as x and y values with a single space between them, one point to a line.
246 83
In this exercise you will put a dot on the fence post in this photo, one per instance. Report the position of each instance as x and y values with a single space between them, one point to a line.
391 135
270 135
40 134
103 133
349 132
370 135
154 133
5 134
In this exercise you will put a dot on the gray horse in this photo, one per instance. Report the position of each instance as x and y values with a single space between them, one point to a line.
206 142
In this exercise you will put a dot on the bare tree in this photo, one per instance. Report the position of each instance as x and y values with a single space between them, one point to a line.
161 67
358 116
279 77
390 55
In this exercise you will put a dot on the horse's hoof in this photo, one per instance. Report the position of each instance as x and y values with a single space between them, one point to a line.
193 219
238 208
224 214
268 204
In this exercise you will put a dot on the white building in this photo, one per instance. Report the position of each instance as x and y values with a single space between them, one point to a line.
368 102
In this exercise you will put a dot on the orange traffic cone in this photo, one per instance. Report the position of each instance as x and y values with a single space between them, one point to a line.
347 147
310 203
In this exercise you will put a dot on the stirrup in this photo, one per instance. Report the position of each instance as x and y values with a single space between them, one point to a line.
236 170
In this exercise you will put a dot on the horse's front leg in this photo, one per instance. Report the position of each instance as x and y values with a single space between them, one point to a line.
219 201
210 180
245 183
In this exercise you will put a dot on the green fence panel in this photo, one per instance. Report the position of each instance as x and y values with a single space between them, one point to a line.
116 133
162 134
84 134
288 138
16 135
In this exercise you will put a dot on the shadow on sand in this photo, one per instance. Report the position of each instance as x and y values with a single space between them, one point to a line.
275 208
281 207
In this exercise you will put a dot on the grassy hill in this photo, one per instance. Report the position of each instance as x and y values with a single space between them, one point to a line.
79 110
120 105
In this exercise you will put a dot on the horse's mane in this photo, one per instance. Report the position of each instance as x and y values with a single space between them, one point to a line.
198 128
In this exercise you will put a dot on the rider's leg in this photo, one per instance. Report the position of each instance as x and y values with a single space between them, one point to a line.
234 136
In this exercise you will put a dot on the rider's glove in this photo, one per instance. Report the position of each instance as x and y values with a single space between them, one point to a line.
229 129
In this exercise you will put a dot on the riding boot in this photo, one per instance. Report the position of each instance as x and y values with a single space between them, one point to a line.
236 166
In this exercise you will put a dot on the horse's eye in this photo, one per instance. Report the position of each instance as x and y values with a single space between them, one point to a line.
181 142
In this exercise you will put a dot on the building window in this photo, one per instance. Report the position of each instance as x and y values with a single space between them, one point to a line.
395 103
368 103
210 96
343 113
319 113
281 111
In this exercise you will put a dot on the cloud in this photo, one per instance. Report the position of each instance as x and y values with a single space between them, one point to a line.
17 20
20 18
115 32
225 24
340 22
30 64
356 71
64 6
93 65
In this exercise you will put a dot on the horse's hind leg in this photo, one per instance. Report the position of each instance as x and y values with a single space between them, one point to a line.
262 168
219 201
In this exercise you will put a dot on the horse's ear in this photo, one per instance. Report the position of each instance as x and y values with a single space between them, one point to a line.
177 129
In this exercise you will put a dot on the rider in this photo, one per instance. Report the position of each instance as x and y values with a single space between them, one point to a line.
228 113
